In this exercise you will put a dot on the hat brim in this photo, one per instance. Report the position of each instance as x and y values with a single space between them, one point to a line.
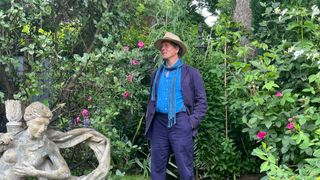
183 47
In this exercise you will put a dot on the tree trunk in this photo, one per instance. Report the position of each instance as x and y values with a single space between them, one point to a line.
242 13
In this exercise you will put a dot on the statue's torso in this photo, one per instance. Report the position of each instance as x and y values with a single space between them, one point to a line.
23 151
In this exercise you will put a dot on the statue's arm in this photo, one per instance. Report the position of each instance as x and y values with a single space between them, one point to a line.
62 170
59 171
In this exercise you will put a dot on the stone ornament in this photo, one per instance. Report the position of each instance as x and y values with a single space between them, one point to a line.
34 151
14 115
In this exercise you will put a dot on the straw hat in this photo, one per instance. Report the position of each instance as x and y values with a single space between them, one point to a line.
172 38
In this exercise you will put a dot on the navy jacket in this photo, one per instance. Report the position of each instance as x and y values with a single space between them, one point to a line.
194 97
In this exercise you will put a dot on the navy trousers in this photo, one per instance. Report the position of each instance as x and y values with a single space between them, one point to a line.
179 139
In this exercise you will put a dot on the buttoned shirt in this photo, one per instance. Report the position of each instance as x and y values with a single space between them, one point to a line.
163 91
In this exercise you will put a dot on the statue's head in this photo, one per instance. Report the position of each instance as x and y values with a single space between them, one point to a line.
37 117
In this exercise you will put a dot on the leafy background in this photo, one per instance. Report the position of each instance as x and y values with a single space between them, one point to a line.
86 54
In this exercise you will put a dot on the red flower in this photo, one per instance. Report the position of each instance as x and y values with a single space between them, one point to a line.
134 62
141 44
279 94
261 134
126 94
85 113
290 125
130 77
77 120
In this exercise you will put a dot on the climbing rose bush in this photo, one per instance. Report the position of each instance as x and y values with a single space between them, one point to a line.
282 112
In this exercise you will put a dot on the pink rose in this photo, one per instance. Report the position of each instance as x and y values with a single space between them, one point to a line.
279 94
290 125
126 94
134 62
130 77
141 44
290 119
89 98
85 113
261 134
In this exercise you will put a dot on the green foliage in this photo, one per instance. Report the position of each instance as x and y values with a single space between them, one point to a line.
76 50
280 90
77 54
220 142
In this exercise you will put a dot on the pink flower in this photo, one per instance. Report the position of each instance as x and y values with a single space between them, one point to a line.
126 49
290 119
290 125
141 44
130 77
279 94
85 113
126 94
261 134
134 62
89 98
77 120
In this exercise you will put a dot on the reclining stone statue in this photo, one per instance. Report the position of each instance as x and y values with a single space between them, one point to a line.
34 151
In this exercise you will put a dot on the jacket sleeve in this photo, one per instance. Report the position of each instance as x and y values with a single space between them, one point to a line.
200 99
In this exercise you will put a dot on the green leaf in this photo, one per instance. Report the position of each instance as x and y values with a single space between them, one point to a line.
258 152
270 85
253 120
313 77
272 159
268 10
1 96
264 166
268 124
292 25
317 153
297 138
302 120
256 64
263 4
104 4
264 145
305 144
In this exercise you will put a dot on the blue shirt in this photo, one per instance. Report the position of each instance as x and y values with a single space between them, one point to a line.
163 92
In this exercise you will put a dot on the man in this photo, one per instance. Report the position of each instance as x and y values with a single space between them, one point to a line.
176 106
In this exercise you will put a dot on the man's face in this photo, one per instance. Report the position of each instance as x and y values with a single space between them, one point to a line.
38 126
168 50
